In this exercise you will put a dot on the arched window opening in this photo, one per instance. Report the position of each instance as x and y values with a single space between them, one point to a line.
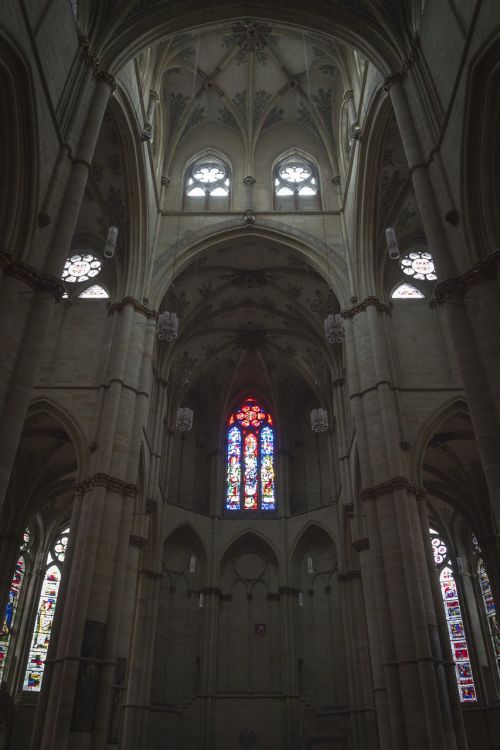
454 620
489 606
94 292
10 618
250 459
81 266
418 264
407 291
208 179
296 184
45 613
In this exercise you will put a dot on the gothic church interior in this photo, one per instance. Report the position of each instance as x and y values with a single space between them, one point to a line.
249 392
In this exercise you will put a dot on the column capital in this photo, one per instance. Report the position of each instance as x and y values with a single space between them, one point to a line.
105 77
449 290
349 575
348 95
408 63
363 305
386 488
31 276
249 180
154 96
136 305
100 479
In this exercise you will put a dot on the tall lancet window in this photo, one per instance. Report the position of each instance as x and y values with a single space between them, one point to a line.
250 482
454 620
45 613
10 619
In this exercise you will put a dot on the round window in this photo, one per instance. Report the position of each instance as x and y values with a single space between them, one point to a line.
418 264
81 267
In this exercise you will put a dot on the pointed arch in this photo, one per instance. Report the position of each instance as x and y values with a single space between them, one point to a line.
18 150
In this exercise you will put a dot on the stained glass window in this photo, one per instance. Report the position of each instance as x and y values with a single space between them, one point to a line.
12 604
45 613
407 291
454 620
418 264
489 606
80 267
250 484
208 177
295 176
94 292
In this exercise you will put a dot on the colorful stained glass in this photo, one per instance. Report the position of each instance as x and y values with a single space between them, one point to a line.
456 630
251 481
10 612
233 469
45 614
250 459
490 610
267 468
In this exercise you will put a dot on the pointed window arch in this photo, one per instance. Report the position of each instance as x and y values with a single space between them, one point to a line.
10 617
45 612
489 609
454 620
407 291
250 482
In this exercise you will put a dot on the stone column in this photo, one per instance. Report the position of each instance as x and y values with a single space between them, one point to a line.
140 671
27 306
399 608
472 301
75 706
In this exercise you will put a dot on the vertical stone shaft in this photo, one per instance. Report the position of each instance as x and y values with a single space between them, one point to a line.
474 324
25 324
396 584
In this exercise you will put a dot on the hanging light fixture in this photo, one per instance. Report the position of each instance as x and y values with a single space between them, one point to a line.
392 243
184 419
334 329
319 420
111 239
167 326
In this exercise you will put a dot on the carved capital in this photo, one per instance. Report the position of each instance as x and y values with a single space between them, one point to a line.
105 77
361 544
249 180
152 575
362 306
288 591
348 95
451 290
31 277
405 67
44 220
386 488
136 540
138 307
349 575
110 483
154 96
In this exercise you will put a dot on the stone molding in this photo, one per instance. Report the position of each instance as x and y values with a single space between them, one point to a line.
137 540
452 289
136 305
110 483
407 64
349 575
362 306
104 77
386 488
361 544
152 575
31 277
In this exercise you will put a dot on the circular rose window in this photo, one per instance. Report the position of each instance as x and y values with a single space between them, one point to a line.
81 267
419 265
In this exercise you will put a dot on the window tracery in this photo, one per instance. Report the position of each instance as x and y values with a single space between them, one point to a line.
81 266
488 602
454 619
208 177
250 484
295 176
407 291
12 603
94 292
45 613
419 264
